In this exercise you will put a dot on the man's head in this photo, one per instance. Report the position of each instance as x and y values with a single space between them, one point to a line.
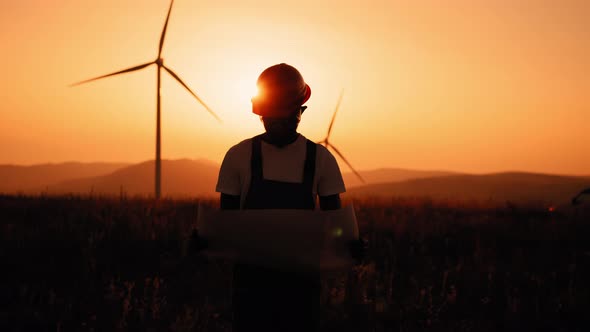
281 95
281 92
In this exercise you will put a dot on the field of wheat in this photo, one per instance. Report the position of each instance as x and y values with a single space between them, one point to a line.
75 263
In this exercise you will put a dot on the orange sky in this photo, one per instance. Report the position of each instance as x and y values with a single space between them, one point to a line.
475 86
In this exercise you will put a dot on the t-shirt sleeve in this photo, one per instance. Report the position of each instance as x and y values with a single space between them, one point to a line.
229 181
330 180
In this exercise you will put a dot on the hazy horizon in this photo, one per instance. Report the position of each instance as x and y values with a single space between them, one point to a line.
342 166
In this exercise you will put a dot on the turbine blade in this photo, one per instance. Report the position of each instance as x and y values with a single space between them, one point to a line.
164 30
576 199
347 163
335 111
115 73
191 92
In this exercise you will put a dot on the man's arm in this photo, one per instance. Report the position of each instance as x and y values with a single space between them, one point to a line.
331 202
357 248
229 202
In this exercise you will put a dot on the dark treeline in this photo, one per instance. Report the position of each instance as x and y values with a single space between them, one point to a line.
99 264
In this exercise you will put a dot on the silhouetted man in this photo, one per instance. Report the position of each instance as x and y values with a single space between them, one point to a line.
279 169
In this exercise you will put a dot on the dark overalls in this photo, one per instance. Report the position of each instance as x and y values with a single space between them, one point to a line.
266 299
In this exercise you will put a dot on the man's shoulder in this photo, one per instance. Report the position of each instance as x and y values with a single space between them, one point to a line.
323 153
321 148
303 140
241 147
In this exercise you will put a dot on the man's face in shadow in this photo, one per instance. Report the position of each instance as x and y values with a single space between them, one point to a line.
282 128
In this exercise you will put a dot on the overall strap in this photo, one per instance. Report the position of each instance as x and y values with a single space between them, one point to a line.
256 159
309 167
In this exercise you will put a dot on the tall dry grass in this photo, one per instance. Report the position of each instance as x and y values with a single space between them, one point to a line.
76 263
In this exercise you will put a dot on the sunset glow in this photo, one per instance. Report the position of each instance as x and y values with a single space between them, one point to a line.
462 85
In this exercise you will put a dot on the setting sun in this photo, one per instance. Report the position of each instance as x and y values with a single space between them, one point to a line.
244 88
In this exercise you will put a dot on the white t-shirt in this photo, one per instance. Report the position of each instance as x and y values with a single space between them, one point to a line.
280 164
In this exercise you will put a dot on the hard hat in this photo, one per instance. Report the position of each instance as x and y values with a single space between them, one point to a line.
281 91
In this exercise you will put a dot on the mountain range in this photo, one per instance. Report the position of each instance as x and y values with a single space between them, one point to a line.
499 187
16 178
190 178
180 178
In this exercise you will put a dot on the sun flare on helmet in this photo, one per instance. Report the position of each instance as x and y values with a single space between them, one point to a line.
281 92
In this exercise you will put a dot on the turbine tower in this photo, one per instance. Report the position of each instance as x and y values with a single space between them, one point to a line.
159 62
329 145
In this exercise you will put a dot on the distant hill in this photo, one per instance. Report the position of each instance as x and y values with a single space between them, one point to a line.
180 178
510 186
387 175
186 177
14 178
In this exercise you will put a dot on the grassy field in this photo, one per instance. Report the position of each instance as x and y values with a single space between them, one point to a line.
101 264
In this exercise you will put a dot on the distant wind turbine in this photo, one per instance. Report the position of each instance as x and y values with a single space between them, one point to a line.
576 199
159 62
329 145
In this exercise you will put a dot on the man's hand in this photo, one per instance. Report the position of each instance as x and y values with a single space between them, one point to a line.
358 249
229 202
196 242
331 202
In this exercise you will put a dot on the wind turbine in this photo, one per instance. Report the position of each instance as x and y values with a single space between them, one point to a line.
329 145
576 199
159 62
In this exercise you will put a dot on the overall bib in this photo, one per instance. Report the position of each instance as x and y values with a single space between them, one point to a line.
266 299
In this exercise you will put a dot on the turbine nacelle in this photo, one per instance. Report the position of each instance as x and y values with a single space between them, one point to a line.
159 62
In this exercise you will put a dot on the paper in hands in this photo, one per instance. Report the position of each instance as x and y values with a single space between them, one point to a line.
296 240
